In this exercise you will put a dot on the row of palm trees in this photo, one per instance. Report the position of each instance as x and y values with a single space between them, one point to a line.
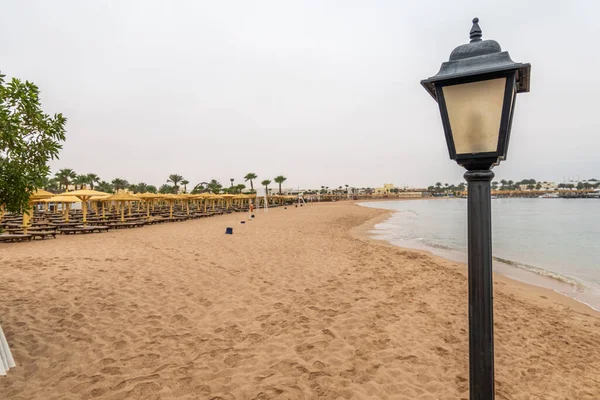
531 184
67 177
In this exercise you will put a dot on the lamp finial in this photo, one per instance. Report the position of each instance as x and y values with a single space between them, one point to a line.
475 33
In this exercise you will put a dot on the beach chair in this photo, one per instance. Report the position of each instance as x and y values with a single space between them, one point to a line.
15 238
42 234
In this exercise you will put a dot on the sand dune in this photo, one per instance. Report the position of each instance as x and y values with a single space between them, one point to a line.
297 304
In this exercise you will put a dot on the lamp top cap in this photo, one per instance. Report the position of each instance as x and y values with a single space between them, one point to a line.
475 34
476 47
477 58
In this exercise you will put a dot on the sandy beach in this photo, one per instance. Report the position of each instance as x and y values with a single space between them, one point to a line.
296 304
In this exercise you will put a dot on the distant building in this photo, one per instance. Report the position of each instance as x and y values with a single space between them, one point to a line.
386 189
547 185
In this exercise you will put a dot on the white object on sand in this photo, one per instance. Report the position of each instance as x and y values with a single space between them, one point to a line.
6 359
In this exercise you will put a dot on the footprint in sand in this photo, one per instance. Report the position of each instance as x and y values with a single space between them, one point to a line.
119 345
111 371
287 368
179 319
328 333
309 350
58 311
262 317
144 390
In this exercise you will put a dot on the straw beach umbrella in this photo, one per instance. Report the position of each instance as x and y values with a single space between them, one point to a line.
84 195
122 198
186 197
66 202
228 198
170 198
202 198
148 198
212 199
99 199
39 196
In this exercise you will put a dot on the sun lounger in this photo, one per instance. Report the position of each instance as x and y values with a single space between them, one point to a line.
81 229
42 234
15 238
120 225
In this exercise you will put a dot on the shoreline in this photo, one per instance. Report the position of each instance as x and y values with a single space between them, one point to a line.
530 290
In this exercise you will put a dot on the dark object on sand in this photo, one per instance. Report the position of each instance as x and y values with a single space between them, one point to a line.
229 231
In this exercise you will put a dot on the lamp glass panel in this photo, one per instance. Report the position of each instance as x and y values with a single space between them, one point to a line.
475 110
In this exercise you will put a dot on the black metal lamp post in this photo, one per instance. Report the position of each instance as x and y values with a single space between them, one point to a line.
476 92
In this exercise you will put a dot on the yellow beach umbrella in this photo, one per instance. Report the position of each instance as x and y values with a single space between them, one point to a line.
214 198
122 197
148 197
40 194
84 195
186 197
101 200
66 201
36 197
201 197
228 197
171 199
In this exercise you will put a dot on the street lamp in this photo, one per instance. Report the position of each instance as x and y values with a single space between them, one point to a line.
476 92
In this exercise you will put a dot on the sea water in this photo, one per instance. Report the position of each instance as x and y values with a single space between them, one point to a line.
553 243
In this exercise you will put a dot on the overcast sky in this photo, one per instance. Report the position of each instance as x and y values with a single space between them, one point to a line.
323 92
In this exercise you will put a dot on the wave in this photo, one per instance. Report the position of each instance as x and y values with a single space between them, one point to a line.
540 271
440 246
513 263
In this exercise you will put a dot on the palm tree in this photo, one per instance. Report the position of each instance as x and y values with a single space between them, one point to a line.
92 179
231 179
495 185
105 187
52 185
214 186
141 187
438 186
239 187
151 189
185 182
64 177
249 177
280 179
346 189
266 184
119 184
175 179
166 189
80 180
